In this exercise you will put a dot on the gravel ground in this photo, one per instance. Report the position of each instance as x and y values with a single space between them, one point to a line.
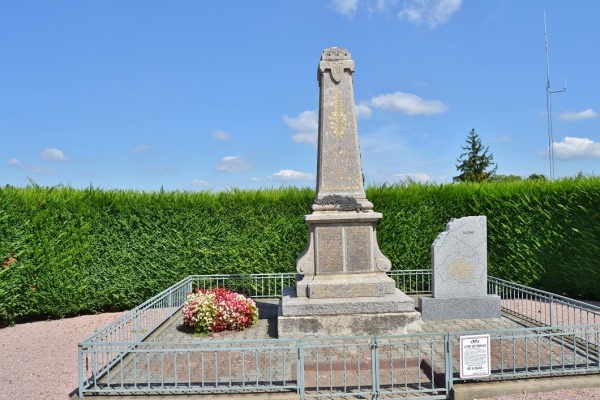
39 361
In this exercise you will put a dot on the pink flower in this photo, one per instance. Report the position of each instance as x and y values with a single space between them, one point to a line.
215 310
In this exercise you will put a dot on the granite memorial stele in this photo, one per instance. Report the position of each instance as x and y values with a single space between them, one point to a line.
342 288
459 274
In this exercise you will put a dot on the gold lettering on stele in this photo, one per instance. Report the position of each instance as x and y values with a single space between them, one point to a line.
462 270
337 119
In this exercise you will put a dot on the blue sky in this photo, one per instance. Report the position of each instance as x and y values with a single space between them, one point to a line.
190 95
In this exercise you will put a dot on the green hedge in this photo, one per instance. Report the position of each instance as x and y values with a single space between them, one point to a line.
541 234
66 251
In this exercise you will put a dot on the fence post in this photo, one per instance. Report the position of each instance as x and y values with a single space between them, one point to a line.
551 310
300 368
80 366
597 342
137 327
448 373
374 367
495 287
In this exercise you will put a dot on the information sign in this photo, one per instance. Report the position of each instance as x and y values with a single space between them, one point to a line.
475 356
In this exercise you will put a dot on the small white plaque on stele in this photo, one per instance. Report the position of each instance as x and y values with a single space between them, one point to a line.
475 356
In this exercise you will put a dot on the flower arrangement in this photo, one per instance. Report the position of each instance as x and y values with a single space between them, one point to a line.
217 310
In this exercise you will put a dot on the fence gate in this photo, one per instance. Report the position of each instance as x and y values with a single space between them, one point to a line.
394 367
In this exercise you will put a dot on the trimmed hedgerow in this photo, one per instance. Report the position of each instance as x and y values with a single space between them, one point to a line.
540 233
91 250
66 251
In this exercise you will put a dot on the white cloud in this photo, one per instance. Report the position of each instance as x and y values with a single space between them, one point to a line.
363 111
15 163
345 7
431 12
233 164
306 126
413 176
51 154
140 149
578 116
221 135
30 168
381 5
572 148
197 182
255 179
290 175
407 103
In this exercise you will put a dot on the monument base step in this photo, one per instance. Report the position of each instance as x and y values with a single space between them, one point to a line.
292 305
392 314
311 326
439 309
367 284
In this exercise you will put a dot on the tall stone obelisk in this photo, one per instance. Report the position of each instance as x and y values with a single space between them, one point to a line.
342 287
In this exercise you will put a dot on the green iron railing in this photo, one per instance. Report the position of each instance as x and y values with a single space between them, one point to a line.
117 360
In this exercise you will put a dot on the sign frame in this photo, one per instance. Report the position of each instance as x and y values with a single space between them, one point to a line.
475 356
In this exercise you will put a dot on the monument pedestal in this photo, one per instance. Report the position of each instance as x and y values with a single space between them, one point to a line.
342 288
391 314
482 307
342 257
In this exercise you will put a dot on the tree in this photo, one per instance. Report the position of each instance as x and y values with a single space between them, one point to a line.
474 163
507 178
537 177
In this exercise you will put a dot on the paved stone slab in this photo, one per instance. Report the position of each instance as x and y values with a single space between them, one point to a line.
434 309
520 386
311 326
291 305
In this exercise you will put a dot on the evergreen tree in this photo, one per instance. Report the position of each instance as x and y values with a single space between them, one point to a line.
537 177
474 163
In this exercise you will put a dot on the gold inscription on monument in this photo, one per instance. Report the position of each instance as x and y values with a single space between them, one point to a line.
462 270
358 248
357 290
338 119
330 250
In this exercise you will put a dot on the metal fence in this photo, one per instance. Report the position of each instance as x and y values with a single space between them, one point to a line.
121 336
255 286
116 359
540 307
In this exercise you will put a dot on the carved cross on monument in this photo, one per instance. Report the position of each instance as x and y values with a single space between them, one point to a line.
342 287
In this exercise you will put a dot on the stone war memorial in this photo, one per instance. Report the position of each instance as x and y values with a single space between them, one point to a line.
459 274
341 293
342 288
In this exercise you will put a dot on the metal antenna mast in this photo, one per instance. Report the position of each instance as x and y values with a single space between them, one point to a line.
549 93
